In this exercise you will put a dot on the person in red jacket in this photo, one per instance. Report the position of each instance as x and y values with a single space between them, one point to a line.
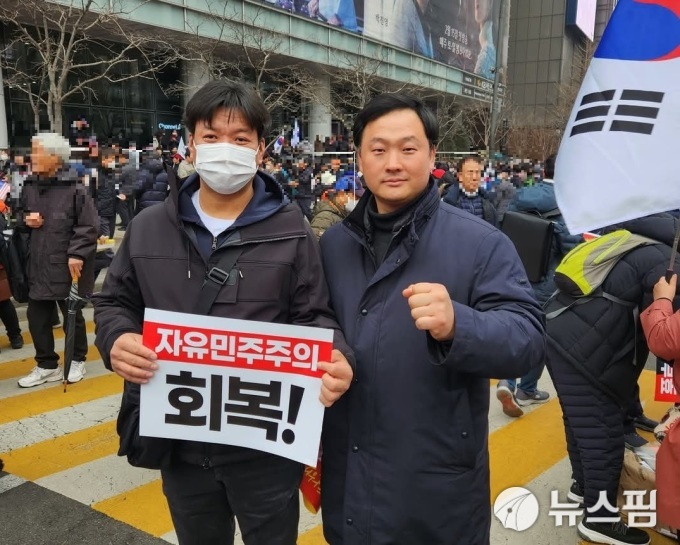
662 330
661 325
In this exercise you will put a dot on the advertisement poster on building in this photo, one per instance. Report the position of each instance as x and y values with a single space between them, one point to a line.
462 34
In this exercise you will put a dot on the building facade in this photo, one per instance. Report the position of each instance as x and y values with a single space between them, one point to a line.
547 41
441 47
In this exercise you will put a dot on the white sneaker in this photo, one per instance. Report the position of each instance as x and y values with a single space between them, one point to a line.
671 417
40 376
77 371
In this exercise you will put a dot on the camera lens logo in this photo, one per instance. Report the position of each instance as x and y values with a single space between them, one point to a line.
516 508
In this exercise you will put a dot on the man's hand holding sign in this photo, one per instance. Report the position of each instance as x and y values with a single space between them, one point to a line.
233 382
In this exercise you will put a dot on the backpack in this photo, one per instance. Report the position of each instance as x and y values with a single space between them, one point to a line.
532 234
584 269
14 250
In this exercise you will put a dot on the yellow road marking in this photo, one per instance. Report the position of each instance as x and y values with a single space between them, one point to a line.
544 430
313 536
51 399
58 334
19 368
61 453
144 508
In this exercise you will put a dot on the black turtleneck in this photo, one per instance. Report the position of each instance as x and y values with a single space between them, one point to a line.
385 226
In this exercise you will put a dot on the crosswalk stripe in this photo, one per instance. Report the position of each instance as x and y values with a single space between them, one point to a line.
7 482
153 519
19 368
509 445
521 450
61 453
50 399
58 334
27 431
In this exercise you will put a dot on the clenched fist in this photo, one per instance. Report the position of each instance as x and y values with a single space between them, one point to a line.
431 309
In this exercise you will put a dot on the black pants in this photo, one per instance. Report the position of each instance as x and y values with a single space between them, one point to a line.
101 261
305 204
8 315
593 425
261 493
40 320
123 210
111 221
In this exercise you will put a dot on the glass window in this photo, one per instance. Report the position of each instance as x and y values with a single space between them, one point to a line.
139 90
531 72
139 128
108 125
168 100
22 124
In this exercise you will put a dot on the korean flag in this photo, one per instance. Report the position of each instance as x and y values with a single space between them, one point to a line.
625 124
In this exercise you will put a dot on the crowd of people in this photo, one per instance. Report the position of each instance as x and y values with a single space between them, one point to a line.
427 298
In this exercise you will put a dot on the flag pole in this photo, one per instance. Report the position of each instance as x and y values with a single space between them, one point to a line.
674 253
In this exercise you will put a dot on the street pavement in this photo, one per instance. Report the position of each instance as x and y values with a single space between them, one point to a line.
64 484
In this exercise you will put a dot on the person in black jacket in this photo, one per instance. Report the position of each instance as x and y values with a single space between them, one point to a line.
596 352
467 195
304 197
162 264
61 218
108 182
152 184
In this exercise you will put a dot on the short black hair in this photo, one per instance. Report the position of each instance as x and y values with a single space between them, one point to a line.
389 102
233 96
467 158
549 166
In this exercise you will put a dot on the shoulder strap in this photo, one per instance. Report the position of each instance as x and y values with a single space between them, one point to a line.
551 213
215 278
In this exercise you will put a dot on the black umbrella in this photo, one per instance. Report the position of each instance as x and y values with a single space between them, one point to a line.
74 303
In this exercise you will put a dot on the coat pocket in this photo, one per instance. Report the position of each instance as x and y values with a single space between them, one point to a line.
464 436
59 273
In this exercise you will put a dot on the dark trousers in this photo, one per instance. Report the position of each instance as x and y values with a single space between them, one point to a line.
305 204
8 315
123 210
634 411
40 320
593 425
101 261
262 494
111 221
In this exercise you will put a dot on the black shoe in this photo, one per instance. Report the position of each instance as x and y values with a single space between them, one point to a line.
576 492
612 533
645 424
634 440
16 342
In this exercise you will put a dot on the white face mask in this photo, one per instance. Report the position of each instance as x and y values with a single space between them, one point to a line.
4 157
350 205
226 168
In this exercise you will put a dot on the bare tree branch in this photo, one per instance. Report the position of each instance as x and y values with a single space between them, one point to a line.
568 90
244 50
477 122
77 43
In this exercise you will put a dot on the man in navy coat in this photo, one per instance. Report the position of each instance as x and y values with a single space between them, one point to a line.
434 302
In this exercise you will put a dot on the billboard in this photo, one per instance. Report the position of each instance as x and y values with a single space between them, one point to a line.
581 14
462 34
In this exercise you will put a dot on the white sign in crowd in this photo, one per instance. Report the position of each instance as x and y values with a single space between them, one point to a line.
235 382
